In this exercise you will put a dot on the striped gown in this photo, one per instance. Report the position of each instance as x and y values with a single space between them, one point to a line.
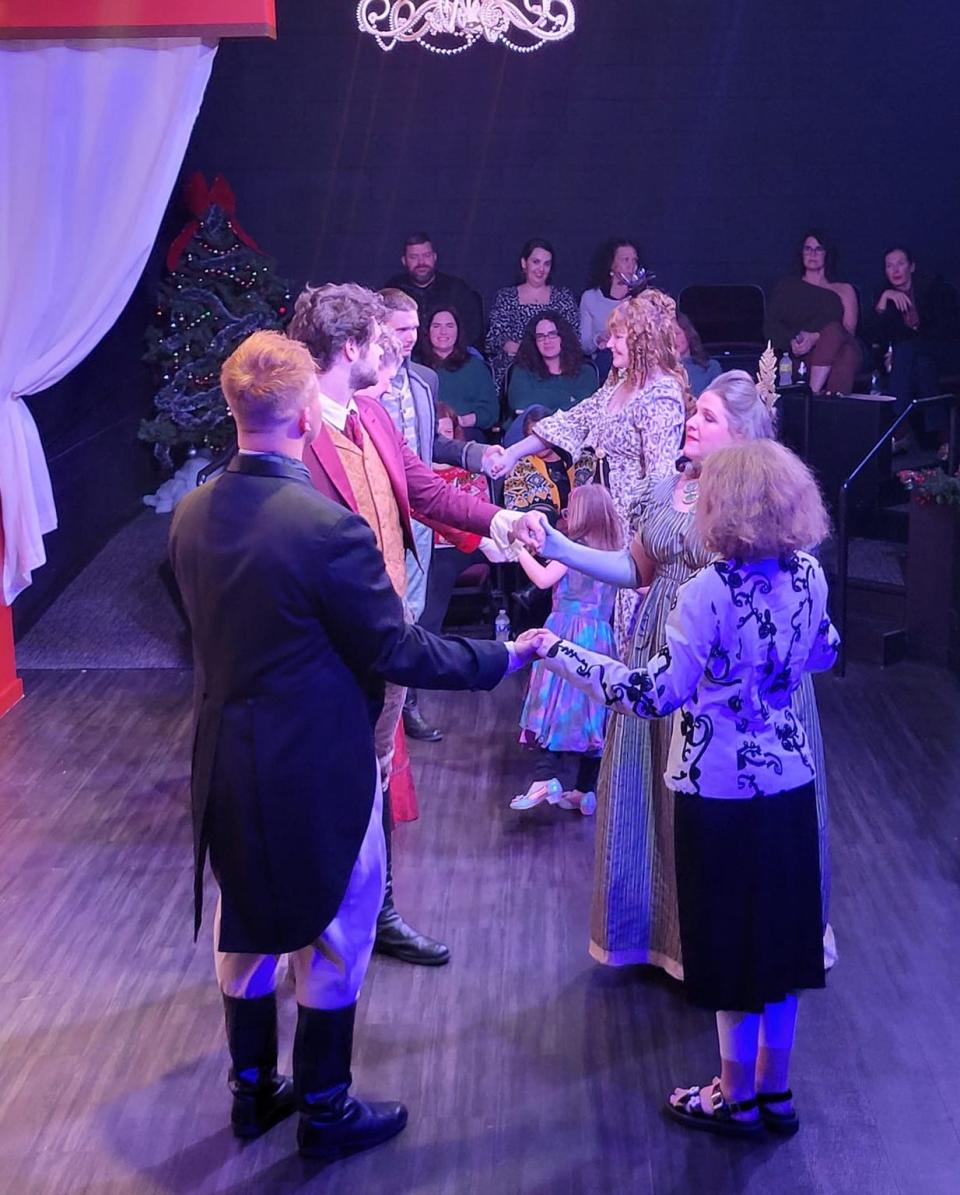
634 916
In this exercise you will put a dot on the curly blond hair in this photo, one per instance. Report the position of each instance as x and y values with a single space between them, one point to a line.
650 323
759 500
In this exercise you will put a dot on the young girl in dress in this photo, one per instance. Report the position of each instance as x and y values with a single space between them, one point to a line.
556 717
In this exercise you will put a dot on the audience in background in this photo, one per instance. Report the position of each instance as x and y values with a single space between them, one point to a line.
431 290
617 261
814 317
549 369
915 320
465 382
701 369
514 306
634 422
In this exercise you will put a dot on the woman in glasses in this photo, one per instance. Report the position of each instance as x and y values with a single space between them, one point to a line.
549 370
814 317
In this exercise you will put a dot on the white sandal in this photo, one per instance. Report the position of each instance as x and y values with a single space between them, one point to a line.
539 791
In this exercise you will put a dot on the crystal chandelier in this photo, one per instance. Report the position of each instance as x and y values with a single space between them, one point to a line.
450 26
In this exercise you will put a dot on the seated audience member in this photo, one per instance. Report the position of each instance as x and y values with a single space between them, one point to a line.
454 551
617 262
432 290
915 319
701 369
549 370
466 384
543 480
514 306
814 317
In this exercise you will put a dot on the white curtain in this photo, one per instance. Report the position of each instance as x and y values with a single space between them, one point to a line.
92 136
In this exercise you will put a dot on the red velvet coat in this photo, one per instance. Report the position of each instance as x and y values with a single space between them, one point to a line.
417 489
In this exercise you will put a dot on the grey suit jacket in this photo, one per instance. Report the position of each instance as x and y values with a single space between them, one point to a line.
424 385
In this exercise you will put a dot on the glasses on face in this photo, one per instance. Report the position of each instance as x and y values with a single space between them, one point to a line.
814 249
541 336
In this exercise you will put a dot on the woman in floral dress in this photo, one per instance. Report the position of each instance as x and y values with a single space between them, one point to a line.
634 422
634 915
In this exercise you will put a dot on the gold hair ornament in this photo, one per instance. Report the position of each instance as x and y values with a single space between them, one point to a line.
767 378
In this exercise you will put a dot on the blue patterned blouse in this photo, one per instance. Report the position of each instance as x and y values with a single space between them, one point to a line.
739 638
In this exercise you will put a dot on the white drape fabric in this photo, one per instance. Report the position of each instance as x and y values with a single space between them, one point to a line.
92 136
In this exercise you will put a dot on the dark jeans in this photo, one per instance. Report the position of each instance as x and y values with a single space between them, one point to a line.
916 370
446 564
554 763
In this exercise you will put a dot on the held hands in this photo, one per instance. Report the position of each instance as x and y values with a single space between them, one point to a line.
536 643
554 542
488 462
501 464
528 531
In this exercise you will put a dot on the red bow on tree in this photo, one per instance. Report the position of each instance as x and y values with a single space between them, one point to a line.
199 197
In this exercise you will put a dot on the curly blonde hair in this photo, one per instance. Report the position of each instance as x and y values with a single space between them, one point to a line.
650 323
759 500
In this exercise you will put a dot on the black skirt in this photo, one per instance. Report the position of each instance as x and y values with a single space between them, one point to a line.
748 883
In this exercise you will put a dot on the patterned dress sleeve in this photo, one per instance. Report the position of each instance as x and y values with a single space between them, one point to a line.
564 302
826 641
501 321
573 430
669 679
660 422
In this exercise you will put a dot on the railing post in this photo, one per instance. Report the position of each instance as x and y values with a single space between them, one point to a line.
843 549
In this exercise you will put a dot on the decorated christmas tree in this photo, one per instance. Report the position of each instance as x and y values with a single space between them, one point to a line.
219 288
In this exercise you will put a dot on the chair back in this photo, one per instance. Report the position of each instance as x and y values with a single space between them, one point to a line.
728 317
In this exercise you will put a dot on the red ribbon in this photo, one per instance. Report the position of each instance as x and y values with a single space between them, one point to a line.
198 198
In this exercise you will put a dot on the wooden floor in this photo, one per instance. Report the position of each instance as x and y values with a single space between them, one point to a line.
526 1067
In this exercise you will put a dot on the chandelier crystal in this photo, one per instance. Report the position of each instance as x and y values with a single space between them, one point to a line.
450 26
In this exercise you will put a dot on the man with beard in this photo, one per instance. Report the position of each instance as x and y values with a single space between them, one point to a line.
432 290
359 459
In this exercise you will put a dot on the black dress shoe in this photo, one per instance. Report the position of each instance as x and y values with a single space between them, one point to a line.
414 725
261 1097
398 940
333 1123
348 1127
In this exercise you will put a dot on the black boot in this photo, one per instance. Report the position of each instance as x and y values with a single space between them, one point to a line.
413 722
394 936
334 1123
261 1097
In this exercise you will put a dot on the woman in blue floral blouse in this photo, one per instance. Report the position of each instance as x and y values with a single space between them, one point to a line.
741 635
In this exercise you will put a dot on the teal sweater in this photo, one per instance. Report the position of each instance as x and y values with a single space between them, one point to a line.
470 388
558 393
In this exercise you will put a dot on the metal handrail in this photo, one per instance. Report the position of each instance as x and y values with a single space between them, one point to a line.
843 532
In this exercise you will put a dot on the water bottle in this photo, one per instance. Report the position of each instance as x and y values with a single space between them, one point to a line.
785 371
875 382
501 628
802 373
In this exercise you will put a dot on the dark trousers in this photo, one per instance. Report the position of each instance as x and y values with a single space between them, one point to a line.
916 371
555 763
446 565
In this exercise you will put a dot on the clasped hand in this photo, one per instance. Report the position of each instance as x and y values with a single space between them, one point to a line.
535 644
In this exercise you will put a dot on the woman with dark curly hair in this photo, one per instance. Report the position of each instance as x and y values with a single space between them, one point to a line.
616 262
466 384
549 369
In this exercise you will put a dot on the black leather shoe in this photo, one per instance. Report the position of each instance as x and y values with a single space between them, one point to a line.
398 940
414 725
394 936
333 1123
348 1127
261 1097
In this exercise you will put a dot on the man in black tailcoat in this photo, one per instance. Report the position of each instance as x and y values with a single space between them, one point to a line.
295 629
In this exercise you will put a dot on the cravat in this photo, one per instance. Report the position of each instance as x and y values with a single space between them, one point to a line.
353 429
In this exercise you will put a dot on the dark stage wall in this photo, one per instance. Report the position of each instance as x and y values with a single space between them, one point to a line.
713 133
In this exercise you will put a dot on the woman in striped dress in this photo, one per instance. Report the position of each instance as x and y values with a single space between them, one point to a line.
634 915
